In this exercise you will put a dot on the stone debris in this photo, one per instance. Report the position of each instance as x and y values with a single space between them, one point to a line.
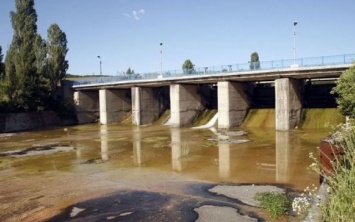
75 211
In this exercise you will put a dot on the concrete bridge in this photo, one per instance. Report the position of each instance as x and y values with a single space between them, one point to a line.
233 93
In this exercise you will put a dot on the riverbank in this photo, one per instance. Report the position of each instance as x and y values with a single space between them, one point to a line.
15 122
115 196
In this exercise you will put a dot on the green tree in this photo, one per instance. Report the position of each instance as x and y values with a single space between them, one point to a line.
21 72
41 55
10 88
254 61
129 71
57 65
345 88
188 67
2 66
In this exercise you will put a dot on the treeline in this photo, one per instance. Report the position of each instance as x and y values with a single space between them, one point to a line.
34 67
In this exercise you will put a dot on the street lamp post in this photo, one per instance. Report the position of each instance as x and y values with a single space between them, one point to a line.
294 43
100 65
161 60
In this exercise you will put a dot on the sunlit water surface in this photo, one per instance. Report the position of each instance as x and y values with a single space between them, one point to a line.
203 154
113 157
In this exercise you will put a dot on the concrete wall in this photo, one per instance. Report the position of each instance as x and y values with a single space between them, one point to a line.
13 122
147 105
288 103
87 106
115 105
233 104
185 104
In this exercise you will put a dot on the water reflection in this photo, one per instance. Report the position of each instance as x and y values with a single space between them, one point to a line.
282 141
137 146
232 159
104 142
270 157
224 159
78 152
176 149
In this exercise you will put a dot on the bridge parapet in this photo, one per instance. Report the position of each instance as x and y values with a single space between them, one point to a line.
223 69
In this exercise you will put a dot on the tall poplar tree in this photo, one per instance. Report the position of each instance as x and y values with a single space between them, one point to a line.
2 66
10 89
21 72
57 65
41 55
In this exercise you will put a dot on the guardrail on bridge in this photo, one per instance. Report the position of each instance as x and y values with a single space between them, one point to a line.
210 70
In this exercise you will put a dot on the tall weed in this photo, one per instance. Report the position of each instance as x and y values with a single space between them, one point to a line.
341 203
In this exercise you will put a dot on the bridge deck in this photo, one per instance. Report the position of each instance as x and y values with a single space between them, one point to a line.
321 72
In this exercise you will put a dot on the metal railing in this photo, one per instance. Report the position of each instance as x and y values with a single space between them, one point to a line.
215 70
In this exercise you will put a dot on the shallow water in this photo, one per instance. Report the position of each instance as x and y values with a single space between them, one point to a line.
109 157
268 157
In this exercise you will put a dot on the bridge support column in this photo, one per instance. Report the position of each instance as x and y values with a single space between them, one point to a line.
185 104
233 104
147 105
87 106
115 105
288 103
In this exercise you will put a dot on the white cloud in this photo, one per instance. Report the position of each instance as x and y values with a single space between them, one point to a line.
135 14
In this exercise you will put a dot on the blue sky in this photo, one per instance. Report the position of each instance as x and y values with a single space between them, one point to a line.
128 33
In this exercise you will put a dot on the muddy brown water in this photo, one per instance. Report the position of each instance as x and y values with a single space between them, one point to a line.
152 158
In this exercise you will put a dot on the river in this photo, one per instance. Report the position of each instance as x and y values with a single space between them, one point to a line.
103 159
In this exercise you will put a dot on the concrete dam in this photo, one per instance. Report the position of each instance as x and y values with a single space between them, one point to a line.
233 94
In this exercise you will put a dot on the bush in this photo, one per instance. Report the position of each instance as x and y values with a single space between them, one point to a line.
345 88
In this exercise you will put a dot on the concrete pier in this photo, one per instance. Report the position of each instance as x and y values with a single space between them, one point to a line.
233 104
87 106
147 105
288 103
115 105
186 104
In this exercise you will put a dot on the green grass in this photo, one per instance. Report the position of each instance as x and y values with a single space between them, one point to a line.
277 204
